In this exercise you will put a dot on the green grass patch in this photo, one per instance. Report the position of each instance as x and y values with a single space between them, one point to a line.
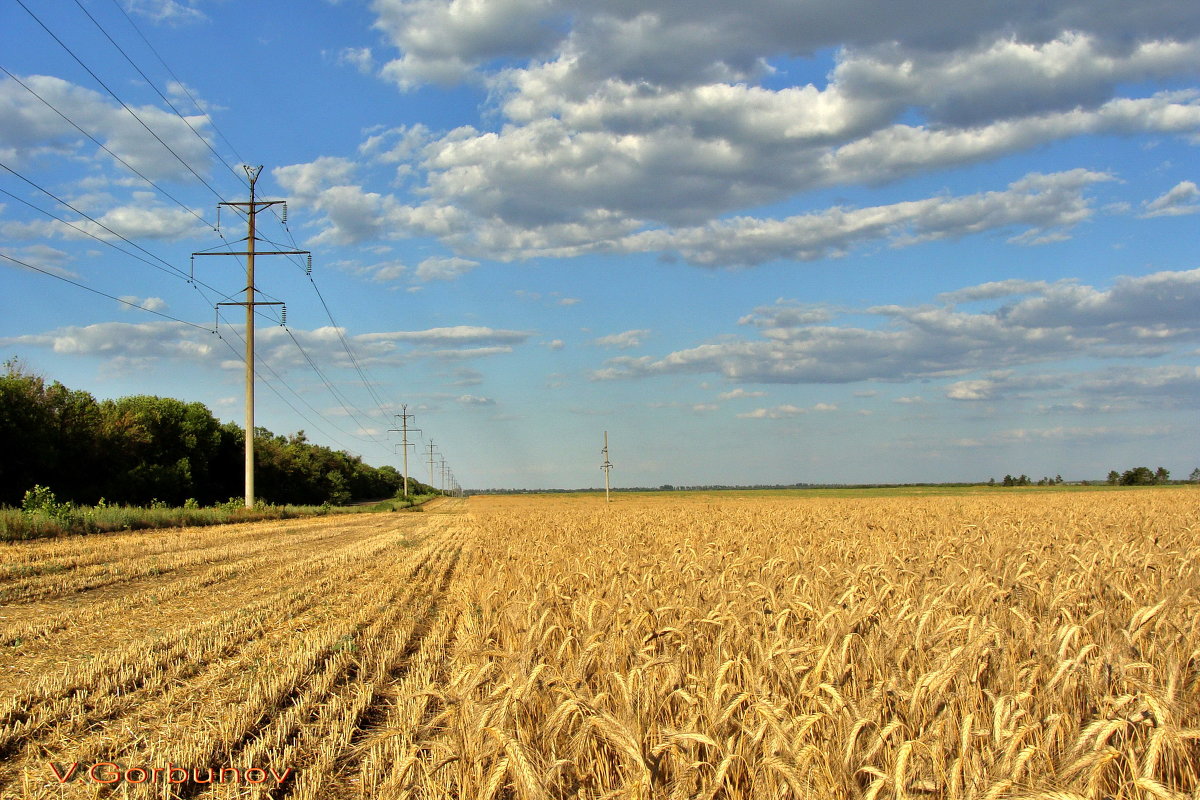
18 525
411 503
43 516
69 519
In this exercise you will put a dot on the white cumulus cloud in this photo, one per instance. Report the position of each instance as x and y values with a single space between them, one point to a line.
626 340
1181 199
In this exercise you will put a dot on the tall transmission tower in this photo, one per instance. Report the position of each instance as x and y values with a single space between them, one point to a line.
250 252
405 444
606 466
431 463
443 462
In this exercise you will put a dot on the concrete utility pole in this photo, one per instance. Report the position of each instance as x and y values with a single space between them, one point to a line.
403 430
431 463
606 466
251 210
443 462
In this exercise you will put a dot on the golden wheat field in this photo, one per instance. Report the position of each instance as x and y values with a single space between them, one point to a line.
1002 645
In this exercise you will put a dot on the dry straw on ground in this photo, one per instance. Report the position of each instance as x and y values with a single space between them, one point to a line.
1006 645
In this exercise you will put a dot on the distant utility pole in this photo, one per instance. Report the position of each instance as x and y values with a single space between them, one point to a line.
405 444
443 462
606 466
431 463
251 210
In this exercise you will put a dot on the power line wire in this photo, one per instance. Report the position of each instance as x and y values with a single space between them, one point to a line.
114 95
214 331
338 396
181 84
279 379
27 265
105 148
362 372
171 269
146 78
367 382
346 346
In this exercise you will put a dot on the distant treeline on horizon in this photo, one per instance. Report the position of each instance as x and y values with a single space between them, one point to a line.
145 449
991 483
724 487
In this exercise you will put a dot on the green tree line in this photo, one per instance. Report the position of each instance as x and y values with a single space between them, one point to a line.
145 448
1141 476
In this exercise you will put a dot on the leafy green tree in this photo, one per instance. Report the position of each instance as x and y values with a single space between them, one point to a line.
1138 476
339 494
293 470
1114 477
1195 476
1161 475
146 448
79 454
160 449
48 435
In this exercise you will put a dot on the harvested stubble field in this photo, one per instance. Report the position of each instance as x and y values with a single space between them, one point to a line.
1004 645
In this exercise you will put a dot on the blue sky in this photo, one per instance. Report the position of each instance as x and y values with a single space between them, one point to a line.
804 241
